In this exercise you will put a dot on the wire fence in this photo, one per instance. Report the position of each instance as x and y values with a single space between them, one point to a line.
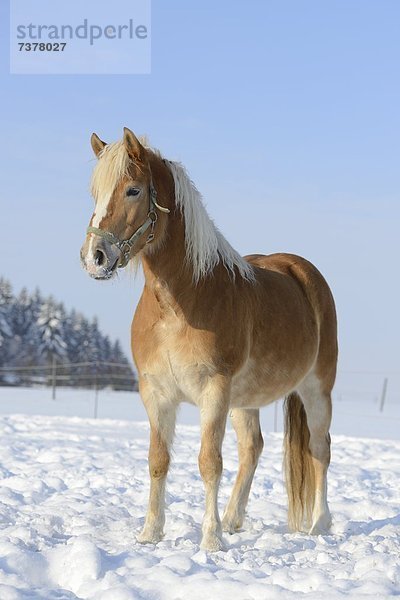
93 375
368 387
379 388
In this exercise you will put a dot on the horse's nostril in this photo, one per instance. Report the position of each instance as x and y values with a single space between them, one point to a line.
99 258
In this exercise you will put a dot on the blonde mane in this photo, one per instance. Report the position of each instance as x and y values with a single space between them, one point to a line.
206 247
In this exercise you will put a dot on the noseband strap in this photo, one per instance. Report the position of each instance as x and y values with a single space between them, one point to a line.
125 246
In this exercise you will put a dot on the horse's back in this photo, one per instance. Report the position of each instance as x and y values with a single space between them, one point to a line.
317 291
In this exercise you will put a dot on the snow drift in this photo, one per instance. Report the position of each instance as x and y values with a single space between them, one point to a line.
73 494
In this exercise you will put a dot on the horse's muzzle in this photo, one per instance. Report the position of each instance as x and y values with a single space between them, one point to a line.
99 258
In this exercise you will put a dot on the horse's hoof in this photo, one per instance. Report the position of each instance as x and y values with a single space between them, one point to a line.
212 543
149 537
321 526
231 525
317 530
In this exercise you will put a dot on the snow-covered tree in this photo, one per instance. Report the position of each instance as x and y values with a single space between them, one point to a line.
33 330
24 331
94 342
23 316
73 334
6 307
50 330
117 354
105 349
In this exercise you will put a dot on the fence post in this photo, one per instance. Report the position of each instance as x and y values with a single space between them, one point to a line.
383 396
96 392
54 377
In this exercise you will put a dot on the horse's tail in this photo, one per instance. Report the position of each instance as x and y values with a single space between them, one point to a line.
299 471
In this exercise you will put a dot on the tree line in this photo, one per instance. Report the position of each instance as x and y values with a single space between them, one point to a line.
37 331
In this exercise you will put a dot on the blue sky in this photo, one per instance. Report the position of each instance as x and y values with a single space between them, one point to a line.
286 114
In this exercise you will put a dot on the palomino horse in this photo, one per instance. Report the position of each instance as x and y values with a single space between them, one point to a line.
226 333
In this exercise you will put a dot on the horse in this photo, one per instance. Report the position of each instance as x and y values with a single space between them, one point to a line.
225 333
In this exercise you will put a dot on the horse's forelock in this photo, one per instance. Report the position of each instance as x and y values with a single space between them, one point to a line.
112 165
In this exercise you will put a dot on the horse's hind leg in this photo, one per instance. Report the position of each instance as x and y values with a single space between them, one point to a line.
318 407
246 423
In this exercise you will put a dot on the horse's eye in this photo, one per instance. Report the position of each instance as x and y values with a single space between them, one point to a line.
132 191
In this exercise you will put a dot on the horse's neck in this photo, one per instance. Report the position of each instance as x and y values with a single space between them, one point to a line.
166 264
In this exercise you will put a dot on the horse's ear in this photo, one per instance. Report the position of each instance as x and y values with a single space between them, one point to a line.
97 144
132 145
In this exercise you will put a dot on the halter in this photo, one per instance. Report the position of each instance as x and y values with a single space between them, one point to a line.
125 246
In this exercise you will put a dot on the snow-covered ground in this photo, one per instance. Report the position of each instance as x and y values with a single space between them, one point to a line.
73 493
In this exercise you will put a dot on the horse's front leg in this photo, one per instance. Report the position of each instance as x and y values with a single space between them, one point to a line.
213 413
162 416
